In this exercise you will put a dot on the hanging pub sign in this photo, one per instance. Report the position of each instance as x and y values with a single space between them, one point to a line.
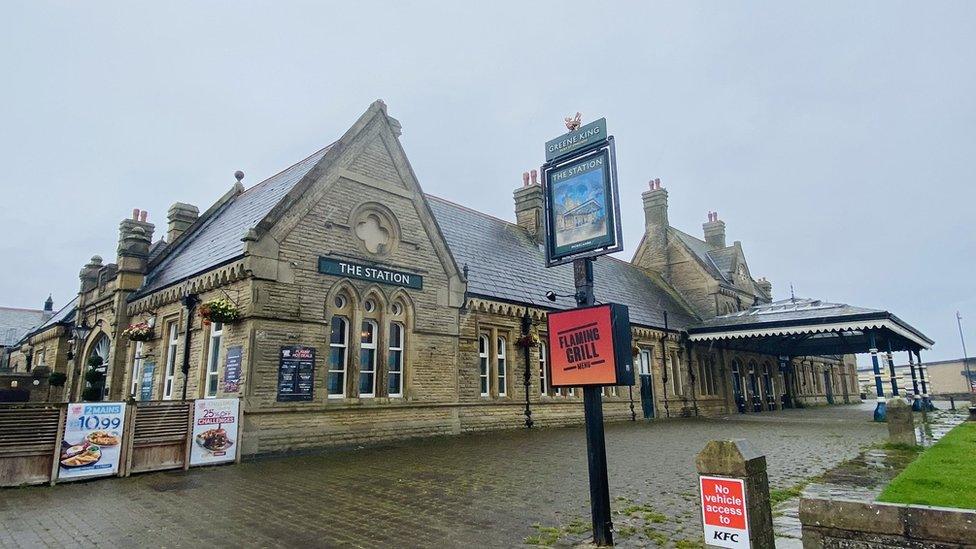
582 214
296 368
590 346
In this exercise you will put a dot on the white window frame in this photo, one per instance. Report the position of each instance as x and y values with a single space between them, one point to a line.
484 365
212 385
169 376
391 348
136 370
367 346
345 357
543 378
501 365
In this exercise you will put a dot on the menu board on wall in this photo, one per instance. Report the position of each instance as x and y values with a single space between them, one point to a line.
232 369
296 370
215 422
146 387
92 440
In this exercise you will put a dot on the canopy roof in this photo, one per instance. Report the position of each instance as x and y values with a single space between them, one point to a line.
809 327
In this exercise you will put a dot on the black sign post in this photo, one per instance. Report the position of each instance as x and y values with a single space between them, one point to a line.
596 446
582 218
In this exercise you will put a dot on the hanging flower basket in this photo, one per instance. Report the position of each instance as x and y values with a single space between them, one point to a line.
138 332
527 341
219 310
634 351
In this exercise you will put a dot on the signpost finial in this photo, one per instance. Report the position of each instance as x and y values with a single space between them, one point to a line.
574 122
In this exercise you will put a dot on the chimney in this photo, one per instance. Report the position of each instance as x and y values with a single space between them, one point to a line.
528 205
49 304
180 217
655 256
135 236
714 230
766 286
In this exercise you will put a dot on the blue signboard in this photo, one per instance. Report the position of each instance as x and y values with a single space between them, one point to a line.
146 388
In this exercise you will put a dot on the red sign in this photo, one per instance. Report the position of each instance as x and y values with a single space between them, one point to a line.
723 502
590 346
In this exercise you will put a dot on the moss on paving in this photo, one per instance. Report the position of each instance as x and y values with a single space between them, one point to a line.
944 475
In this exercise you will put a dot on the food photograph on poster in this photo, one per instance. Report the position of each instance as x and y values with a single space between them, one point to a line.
215 423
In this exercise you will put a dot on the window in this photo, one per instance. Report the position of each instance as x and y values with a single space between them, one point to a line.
369 306
367 359
338 342
483 363
675 375
501 367
706 377
213 358
543 379
394 363
136 370
170 374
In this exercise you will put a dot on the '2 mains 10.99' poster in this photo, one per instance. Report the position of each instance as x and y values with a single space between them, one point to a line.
92 443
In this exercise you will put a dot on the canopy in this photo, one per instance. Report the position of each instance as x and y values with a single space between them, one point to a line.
810 327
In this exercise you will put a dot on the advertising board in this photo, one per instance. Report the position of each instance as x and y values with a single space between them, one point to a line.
590 346
92 443
215 424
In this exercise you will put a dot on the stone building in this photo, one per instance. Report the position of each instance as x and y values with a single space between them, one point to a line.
406 309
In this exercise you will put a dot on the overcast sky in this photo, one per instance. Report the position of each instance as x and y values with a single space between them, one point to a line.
836 140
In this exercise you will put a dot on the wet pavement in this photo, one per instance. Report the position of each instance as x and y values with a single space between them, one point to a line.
498 489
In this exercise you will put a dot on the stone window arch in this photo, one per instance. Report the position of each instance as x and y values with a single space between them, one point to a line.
340 310
399 325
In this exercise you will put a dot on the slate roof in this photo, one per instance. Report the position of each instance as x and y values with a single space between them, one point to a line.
701 249
218 240
722 258
790 310
15 323
505 264
65 314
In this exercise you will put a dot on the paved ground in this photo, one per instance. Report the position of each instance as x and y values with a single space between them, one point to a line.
496 489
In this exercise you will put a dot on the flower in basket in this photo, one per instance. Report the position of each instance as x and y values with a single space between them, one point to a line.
140 331
527 341
219 310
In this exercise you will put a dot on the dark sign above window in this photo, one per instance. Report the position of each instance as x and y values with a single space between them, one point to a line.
338 267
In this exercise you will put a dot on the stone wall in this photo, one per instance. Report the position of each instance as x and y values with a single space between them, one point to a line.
855 525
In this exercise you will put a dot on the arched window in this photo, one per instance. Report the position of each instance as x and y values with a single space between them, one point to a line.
394 363
502 367
338 345
367 359
483 364
675 375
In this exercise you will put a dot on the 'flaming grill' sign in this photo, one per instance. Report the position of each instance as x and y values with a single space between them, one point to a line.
590 346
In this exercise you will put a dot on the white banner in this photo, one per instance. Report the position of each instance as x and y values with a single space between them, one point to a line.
92 440
215 422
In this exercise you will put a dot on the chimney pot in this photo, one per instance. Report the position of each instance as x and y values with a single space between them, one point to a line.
143 215
135 214
525 179
535 177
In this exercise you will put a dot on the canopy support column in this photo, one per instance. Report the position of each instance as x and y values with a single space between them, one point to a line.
880 411
926 400
891 370
916 401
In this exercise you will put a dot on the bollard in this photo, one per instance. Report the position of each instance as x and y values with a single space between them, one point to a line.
952 402
734 495
901 423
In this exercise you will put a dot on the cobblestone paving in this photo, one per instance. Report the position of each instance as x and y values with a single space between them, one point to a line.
487 490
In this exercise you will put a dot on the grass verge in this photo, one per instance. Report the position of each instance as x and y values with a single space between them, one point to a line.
944 475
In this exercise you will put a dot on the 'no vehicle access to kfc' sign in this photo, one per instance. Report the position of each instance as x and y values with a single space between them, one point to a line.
723 502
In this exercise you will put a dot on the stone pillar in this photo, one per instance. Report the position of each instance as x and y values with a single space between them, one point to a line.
901 422
737 459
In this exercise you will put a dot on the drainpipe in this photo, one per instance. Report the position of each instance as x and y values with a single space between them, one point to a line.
190 302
